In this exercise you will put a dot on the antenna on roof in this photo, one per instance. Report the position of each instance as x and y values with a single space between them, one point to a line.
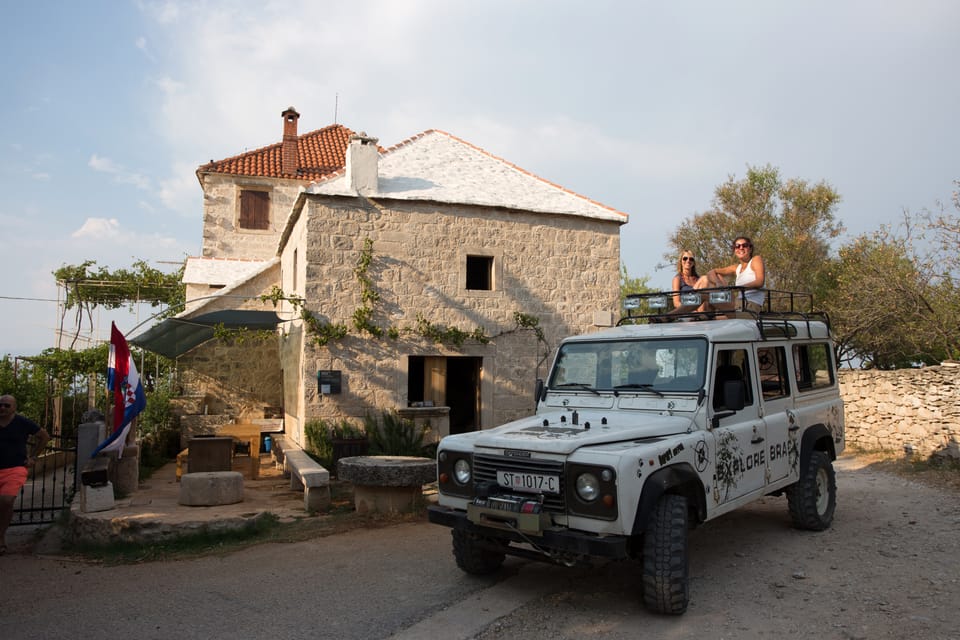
336 100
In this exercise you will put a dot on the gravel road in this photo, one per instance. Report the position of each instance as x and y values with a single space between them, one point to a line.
888 568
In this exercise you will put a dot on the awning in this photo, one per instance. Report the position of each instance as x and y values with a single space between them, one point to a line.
176 336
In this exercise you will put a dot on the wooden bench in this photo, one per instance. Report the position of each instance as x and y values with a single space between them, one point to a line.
305 474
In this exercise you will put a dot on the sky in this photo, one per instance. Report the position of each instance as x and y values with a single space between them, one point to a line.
109 107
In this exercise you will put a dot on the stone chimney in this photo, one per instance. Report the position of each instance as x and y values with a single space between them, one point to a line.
289 159
363 159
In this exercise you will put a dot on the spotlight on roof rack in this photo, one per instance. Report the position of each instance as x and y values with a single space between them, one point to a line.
720 297
690 299
631 303
657 302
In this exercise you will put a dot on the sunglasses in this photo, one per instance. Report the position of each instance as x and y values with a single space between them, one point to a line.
687 259
5 405
742 245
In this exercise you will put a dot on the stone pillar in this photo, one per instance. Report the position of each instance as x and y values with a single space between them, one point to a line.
89 435
125 471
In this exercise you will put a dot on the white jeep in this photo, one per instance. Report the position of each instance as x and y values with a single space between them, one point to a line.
647 429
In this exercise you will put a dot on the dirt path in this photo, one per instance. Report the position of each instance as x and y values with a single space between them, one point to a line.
888 568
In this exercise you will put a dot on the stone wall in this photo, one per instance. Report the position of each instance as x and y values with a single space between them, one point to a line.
564 270
221 236
914 411
236 378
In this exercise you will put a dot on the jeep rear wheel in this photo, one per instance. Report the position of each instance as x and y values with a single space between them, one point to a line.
813 498
476 554
665 582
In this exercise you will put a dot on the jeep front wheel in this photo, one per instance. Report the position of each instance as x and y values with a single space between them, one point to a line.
665 583
476 554
813 498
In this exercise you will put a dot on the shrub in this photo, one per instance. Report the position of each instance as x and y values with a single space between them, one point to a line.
396 436
319 445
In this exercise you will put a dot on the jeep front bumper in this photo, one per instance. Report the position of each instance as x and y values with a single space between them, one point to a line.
575 542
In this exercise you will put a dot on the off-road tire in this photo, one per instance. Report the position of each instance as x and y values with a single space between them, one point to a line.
474 555
813 498
666 587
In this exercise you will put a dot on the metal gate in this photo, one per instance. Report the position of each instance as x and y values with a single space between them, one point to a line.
50 485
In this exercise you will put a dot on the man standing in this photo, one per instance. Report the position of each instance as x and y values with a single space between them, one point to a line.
15 460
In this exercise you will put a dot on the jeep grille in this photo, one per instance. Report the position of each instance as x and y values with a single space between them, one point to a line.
485 469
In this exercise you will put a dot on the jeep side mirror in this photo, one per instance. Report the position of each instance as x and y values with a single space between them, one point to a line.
540 393
734 392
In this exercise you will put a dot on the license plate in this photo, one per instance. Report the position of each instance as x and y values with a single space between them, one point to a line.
529 482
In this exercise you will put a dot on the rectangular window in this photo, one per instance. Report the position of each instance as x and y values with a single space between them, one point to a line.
254 210
480 273
732 364
813 364
774 380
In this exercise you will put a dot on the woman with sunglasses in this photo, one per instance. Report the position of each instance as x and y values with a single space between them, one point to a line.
687 279
749 274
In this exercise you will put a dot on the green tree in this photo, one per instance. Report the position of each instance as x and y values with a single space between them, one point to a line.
790 221
896 302
630 285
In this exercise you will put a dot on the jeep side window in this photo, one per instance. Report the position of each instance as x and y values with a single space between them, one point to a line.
772 365
732 364
813 366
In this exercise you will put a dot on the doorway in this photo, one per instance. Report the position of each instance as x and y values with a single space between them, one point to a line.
451 382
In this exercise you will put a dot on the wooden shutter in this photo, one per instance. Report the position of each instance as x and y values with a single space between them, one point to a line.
255 210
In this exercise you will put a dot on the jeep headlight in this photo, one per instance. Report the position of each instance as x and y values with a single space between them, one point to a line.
588 487
461 471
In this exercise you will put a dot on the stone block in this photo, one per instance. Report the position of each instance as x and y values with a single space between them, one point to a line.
210 488
316 498
96 498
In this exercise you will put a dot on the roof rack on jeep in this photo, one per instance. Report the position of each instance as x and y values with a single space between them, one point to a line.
773 317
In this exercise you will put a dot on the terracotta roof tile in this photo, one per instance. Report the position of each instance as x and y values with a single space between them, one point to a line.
320 152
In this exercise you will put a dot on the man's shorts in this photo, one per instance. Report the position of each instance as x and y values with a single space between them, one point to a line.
12 480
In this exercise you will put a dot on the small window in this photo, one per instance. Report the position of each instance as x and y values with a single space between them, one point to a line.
774 381
480 273
255 210
295 269
813 365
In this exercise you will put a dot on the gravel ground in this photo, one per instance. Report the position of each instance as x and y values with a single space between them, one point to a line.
888 568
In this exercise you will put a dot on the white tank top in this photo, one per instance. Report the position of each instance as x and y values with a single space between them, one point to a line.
745 274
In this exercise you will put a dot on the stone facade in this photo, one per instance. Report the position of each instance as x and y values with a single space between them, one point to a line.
912 411
562 269
222 237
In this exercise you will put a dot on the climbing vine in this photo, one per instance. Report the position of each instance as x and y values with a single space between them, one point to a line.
89 286
323 331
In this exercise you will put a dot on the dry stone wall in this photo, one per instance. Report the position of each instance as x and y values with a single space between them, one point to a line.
912 411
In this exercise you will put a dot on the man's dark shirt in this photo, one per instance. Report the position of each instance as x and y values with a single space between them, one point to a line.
13 441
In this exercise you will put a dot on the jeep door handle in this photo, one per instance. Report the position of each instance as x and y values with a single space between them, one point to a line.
757 440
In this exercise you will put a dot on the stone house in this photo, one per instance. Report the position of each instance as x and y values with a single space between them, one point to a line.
431 277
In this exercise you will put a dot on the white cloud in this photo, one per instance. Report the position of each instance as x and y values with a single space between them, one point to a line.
98 229
180 191
119 173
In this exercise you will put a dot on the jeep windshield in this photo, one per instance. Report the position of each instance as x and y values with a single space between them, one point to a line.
631 366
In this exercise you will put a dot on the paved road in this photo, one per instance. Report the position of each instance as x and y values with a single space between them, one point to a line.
887 569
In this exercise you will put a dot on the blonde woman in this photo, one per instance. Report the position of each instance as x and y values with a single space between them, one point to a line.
687 279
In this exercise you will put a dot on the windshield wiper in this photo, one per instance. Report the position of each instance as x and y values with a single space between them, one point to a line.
578 385
646 386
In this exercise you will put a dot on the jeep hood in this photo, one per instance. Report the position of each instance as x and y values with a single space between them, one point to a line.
564 437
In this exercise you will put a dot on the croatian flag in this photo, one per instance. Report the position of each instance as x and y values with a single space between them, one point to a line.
128 397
